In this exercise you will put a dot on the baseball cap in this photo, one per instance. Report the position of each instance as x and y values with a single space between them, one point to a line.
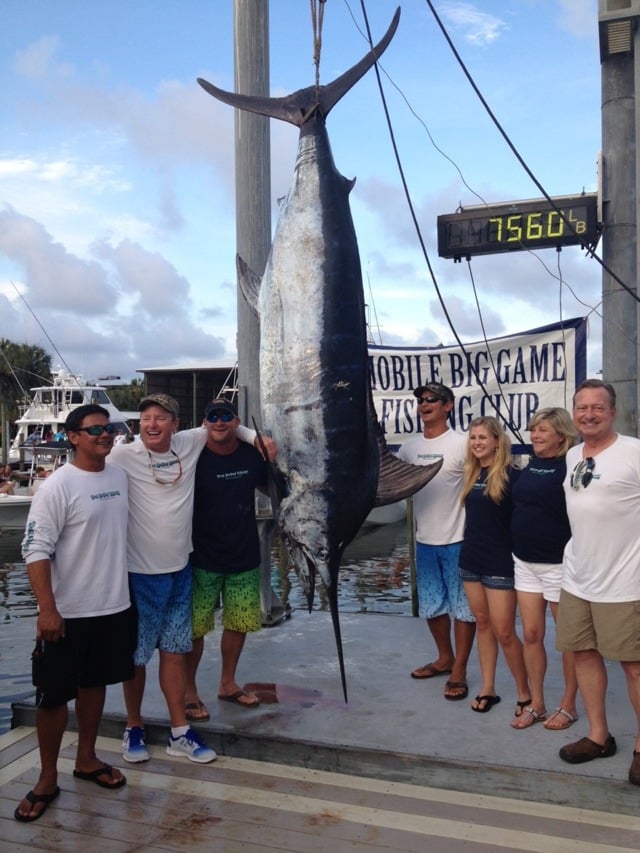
221 405
437 388
169 404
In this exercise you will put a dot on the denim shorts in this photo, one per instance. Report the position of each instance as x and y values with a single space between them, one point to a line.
488 581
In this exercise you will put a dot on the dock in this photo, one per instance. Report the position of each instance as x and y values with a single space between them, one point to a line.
395 768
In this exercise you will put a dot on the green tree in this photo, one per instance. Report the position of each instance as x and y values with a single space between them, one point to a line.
127 397
22 366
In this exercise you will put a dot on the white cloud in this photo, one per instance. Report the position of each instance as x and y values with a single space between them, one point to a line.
53 276
479 28
10 168
37 61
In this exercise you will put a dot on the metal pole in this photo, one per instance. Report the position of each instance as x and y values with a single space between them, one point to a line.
253 182
620 191
253 237
5 434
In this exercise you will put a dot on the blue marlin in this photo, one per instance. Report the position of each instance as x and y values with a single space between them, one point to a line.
333 463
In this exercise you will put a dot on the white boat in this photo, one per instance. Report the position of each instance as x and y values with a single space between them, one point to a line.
34 447
44 415
14 508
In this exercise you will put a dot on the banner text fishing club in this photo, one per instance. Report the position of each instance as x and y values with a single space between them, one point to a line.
394 375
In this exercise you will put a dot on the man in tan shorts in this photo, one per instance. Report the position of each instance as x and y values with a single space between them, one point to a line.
599 610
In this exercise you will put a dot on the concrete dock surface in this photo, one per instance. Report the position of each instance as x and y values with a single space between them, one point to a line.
393 727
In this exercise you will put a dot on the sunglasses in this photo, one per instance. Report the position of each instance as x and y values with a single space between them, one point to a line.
97 429
583 473
225 417
422 400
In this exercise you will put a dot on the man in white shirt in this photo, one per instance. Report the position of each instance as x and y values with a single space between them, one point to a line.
75 548
439 517
599 609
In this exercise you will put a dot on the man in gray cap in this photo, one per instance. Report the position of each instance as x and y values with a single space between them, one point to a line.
439 518
161 470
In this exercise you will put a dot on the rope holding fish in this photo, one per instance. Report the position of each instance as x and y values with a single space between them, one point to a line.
317 18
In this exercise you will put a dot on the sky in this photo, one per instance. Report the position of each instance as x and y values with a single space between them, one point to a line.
117 210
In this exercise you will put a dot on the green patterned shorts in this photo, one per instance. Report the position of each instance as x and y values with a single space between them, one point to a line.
240 601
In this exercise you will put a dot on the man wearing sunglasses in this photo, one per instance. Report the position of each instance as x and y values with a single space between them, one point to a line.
75 548
226 551
161 470
599 609
439 518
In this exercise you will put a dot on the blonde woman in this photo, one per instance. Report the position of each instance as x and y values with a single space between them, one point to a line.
540 530
486 561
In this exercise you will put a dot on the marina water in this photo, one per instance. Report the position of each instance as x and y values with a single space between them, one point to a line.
374 578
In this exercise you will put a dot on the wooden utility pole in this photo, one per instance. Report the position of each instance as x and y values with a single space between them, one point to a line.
253 239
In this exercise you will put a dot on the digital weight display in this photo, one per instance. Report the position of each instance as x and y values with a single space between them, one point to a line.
519 225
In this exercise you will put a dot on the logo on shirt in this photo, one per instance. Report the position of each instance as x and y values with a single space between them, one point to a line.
429 456
106 496
233 475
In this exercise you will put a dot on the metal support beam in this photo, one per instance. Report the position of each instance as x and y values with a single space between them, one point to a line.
620 193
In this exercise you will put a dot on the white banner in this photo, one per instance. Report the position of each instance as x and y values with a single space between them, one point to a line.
510 378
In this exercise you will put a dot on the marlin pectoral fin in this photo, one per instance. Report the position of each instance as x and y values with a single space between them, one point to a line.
398 480
249 283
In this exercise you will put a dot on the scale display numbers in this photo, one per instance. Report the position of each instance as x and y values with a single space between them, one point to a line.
517 226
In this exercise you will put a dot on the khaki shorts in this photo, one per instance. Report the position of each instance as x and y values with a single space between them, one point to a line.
611 629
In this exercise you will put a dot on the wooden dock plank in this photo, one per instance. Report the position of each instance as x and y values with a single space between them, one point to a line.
175 805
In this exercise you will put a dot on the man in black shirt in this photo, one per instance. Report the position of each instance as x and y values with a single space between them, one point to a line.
226 552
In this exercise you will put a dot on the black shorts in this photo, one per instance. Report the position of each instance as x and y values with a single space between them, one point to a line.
95 651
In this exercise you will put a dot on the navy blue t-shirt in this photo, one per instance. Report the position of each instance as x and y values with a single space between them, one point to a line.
539 525
225 535
486 547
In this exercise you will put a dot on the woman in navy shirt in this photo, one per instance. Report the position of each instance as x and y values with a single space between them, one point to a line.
486 561
540 530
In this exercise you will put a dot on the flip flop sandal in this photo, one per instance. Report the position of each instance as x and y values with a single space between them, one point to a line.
196 712
237 697
568 721
529 718
429 671
456 685
520 706
489 701
46 799
94 776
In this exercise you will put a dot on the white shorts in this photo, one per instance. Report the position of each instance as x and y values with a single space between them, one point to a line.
543 578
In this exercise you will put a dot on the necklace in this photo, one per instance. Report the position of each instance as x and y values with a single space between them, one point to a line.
154 469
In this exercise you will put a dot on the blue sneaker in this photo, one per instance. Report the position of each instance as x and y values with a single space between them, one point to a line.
134 748
192 746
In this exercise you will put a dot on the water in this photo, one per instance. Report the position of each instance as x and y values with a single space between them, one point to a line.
17 627
374 578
